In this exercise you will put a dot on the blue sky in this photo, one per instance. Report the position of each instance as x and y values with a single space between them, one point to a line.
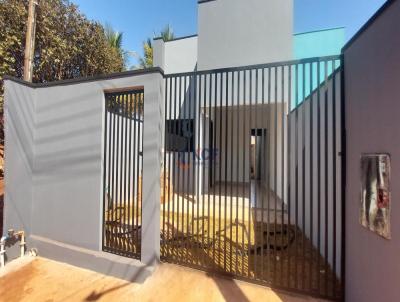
139 19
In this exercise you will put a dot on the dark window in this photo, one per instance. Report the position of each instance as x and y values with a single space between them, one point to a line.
179 135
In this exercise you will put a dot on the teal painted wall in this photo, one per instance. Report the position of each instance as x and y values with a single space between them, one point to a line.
319 43
314 44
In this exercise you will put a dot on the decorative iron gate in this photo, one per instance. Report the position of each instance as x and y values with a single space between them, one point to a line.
252 178
123 161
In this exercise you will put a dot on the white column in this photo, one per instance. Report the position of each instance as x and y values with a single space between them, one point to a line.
152 157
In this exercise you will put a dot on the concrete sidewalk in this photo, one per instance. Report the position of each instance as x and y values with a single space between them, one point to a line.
39 279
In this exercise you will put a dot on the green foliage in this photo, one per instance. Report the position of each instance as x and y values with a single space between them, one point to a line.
167 34
67 44
113 37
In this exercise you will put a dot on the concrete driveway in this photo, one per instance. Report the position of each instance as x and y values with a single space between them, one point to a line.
39 279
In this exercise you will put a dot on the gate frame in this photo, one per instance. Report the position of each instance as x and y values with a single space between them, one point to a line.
340 153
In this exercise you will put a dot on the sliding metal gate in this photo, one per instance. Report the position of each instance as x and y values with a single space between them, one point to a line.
252 178
123 161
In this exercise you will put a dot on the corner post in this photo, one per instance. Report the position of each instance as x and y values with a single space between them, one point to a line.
152 159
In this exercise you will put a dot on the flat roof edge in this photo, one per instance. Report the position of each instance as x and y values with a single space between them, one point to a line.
177 39
104 77
366 26
319 30
205 1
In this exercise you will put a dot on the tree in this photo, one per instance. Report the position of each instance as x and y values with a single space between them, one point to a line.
113 37
167 34
68 45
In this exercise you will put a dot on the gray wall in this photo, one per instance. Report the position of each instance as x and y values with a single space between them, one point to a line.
372 77
244 32
54 151
19 107
320 176
176 56
180 55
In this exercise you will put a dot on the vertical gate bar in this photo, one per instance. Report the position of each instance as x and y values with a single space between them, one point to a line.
198 140
135 187
202 163
214 162
275 169
109 106
165 166
244 169
249 144
226 162
179 167
194 158
326 176
237 172
262 173
256 178
303 169
113 175
210 162
220 168
296 174
289 172
131 204
168 238
187 154
282 167
269 123
132 167
189 95
231 178
105 168
319 174
113 190
141 162
185 165
127 224
310 271
117 200
334 154
175 125
121 174
343 174
121 167
126 203
138 139
232 100
200 211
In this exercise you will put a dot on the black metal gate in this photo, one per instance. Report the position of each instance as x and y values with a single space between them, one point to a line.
252 178
123 161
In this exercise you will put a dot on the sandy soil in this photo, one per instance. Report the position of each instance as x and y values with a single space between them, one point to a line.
45 280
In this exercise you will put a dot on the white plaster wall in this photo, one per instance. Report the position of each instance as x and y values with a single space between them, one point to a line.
244 32
372 77
55 144
19 108
324 144
180 55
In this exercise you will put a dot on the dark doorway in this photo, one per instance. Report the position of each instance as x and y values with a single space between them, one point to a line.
258 153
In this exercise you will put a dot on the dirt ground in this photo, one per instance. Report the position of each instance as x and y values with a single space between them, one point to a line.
39 279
